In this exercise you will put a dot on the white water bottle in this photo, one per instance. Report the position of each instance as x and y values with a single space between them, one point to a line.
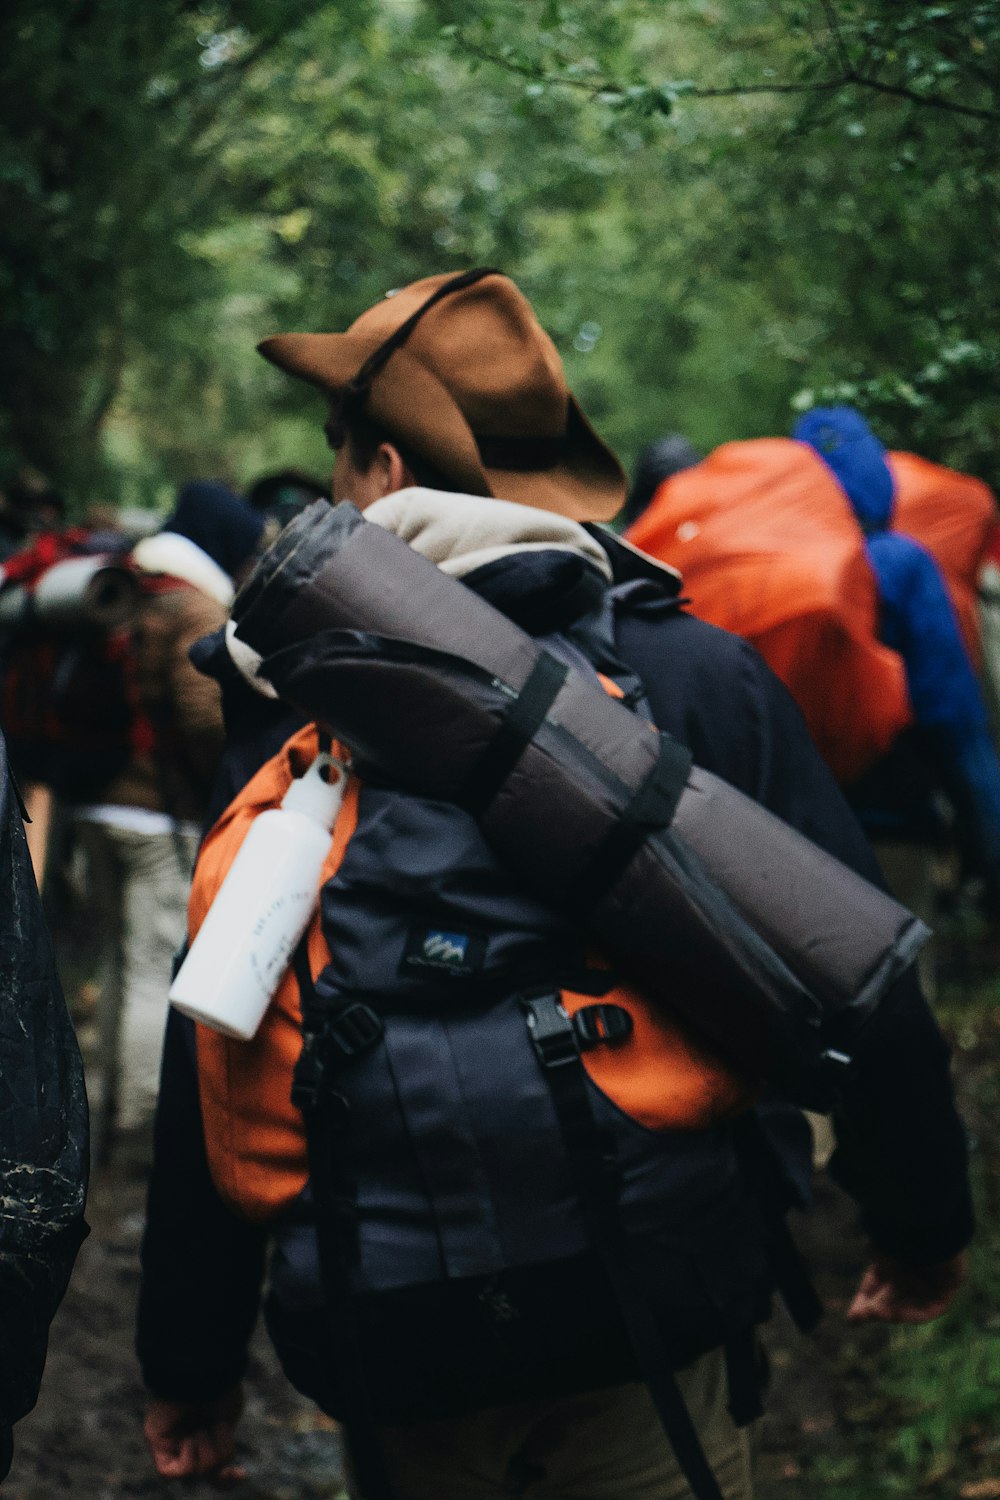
262 908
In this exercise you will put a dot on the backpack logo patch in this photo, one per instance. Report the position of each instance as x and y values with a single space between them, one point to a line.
458 953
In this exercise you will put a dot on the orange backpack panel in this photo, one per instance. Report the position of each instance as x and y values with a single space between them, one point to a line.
254 1135
769 548
955 517
662 1076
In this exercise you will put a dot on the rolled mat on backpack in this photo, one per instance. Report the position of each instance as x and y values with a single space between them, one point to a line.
95 592
767 945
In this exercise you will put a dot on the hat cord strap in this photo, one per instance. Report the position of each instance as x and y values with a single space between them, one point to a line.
358 387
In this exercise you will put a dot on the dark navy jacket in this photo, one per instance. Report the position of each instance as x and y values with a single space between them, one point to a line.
901 1146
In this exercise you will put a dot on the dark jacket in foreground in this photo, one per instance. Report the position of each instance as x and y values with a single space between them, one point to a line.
902 1148
44 1149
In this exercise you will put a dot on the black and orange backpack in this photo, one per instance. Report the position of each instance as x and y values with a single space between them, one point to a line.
519 1171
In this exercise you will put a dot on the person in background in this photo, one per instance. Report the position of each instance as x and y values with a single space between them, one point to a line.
281 495
949 748
854 572
32 506
139 839
44 1153
659 460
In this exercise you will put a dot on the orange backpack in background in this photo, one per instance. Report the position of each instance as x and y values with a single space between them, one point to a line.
955 517
769 548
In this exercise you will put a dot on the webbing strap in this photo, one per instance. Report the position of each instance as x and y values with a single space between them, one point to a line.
333 1194
520 724
594 1174
743 1377
791 1273
651 809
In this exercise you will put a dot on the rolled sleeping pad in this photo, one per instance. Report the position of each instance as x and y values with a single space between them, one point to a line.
78 592
767 945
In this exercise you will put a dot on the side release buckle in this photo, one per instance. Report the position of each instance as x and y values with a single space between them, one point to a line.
553 1034
354 1030
336 1039
559 1038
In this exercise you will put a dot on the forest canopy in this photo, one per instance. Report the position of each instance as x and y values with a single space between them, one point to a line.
724 211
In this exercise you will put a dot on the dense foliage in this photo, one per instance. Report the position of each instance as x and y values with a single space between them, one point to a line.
724 210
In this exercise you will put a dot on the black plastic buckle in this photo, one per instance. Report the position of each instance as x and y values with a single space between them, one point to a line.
335 1039
602 1025
553 1034
354 1030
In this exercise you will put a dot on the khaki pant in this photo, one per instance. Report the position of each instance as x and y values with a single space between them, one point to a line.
604 1445
140 881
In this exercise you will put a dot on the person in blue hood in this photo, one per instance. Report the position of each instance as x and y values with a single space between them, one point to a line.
952 737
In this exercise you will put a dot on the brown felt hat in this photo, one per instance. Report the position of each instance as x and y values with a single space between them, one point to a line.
459 369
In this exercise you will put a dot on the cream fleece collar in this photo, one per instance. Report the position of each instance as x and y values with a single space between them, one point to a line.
461 533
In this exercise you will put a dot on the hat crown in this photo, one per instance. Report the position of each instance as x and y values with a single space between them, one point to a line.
484 343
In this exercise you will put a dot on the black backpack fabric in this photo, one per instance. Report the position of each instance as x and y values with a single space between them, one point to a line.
44 1147
491 1227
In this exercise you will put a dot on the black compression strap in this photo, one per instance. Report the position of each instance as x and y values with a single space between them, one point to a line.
763 1164
333 1195
587 1149
651 809
519 726
744 1376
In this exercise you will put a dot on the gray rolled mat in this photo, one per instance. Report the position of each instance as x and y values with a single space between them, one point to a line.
770 947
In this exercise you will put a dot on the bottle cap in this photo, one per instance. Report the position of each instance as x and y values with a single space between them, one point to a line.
313 796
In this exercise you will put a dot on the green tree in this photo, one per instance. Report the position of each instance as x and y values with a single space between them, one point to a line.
719 209
107 113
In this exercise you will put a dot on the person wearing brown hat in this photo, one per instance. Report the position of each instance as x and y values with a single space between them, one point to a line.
454 428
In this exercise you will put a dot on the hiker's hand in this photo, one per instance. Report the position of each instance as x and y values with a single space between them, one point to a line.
195 1439
892 1292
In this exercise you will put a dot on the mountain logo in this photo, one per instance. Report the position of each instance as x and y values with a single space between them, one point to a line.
455 953
448 948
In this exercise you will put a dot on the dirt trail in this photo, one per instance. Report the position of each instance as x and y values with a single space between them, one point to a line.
84 1439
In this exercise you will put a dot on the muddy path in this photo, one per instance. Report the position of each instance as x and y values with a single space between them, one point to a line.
84 1438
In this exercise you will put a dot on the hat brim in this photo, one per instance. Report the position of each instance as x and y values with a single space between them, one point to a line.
586 484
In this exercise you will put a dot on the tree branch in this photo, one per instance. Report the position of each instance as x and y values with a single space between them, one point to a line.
848 78
931 101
